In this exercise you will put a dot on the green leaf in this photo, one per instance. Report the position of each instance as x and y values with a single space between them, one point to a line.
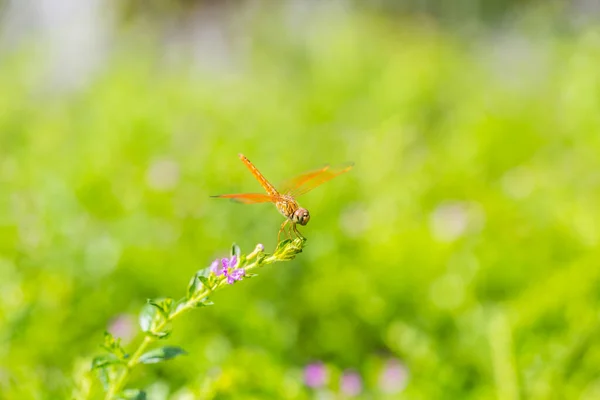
287 249
202 279
103 365
164 306
161 354
260 257
113 345
194 285
205 281
205 272
162 334
282 244
180 304
132 394
146 318
235 250
151 318
104 377
106 360
204 302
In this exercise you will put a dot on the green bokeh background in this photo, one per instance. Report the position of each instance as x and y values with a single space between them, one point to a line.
464 243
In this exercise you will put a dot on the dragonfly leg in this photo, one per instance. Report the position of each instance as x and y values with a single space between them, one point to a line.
281 229
297 231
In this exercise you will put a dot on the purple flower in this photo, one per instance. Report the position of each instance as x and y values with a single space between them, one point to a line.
394 377
234 275
260 247
351 383
315 375
215 267
229 263
226 267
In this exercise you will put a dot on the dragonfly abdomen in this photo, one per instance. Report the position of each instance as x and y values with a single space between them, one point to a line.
270 189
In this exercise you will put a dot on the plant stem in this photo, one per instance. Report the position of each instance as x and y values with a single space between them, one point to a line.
148 340
118 384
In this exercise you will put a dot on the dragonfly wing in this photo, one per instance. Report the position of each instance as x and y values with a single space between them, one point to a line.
307 182
286 187
248 198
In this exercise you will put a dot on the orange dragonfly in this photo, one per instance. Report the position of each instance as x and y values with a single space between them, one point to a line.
285 200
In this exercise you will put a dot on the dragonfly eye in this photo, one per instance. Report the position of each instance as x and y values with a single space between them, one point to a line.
302 216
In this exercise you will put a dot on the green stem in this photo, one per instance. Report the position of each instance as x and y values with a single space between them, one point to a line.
148 340
118 384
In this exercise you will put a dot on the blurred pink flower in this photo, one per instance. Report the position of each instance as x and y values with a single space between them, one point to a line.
393 377
351 383
123 326
315 375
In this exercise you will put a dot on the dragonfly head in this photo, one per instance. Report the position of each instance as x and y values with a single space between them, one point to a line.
301 216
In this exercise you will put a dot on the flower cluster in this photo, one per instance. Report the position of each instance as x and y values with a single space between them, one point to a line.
227 268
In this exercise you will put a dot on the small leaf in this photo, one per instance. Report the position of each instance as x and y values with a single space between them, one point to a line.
287 249
113 345
204 302
180 304
260 257
105 360
104 366
146 318
161 354
104 377
282 244
132 394
205 281
204 272
151 318
164 306
201 280
194 285
162 334
235 250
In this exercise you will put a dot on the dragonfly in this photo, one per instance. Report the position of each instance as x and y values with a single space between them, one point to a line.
285 199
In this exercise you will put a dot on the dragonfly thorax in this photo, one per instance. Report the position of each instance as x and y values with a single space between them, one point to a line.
292 210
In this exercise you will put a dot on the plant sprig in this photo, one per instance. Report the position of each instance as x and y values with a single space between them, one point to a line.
156 317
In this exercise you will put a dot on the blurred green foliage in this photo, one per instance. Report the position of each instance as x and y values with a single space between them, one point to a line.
464 243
